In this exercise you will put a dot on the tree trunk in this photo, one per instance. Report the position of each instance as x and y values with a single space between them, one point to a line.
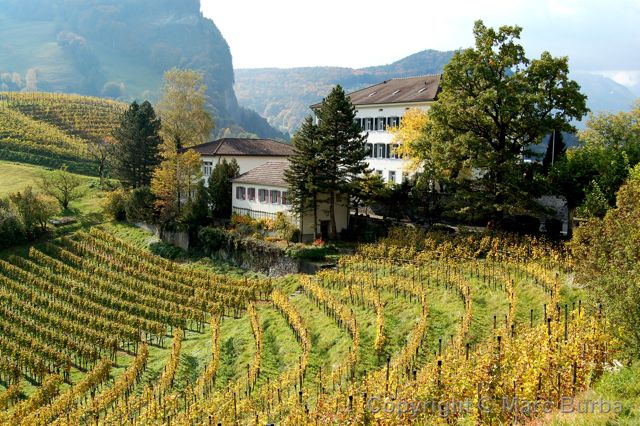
332 215
315 216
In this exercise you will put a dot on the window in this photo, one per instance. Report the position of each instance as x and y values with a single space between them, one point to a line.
380 150
367 124
381 123
275 197
368 149
394 153
207 167
393 121
379 172
392 176
285 199
240 193
262 195
359 122
251 194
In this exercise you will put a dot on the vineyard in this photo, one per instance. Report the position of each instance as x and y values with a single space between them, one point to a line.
98 331
51 129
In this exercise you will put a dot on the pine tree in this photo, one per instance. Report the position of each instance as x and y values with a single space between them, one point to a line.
220 187
135 153
342 149
303 173
555 149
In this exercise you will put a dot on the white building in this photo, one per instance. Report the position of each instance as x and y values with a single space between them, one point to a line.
382 106
249 153
262 193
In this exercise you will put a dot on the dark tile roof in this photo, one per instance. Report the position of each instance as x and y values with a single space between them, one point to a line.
270 173
398 90
245 147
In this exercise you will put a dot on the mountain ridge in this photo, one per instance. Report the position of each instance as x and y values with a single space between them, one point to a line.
120 49
283 95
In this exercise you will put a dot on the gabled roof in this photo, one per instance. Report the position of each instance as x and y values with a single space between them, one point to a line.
270 173
423 88
245 147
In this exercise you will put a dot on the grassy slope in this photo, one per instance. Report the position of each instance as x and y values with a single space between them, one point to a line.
331 344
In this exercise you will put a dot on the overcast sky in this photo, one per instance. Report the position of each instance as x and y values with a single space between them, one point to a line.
598 36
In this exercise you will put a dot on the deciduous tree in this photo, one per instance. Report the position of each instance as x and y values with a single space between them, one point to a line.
494 104
607 260
185 119
61 185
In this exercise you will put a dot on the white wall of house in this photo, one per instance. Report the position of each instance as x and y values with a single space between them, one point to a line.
246 162
342 218
375 119
268 209
255 204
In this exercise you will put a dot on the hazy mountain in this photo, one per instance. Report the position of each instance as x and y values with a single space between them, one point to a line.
118 49
283 96
603 93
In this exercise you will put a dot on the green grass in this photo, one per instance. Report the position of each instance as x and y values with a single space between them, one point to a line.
194 356
237 347
621 386
281 350
87 210
16 177
329 344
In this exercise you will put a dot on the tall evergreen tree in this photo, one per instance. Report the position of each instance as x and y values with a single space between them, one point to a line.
304 171
342 149
555 149
136 151
220 187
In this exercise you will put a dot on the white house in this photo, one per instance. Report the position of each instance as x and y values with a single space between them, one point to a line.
382 106
262 193
249 153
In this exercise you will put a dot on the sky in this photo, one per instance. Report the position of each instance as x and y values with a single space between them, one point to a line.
598 36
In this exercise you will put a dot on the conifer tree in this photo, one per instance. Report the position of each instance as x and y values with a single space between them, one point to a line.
342 149
304 171
220 187
136 151
555 149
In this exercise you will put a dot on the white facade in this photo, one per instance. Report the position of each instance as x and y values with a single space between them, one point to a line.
245 162
265 201
375 120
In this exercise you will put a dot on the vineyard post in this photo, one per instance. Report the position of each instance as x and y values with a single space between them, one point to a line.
387 382
566 322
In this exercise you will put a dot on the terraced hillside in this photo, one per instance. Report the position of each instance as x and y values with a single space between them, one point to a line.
51 129
98 331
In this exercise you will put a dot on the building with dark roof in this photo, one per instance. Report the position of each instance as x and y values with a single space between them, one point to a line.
249 153
262 193
382 106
